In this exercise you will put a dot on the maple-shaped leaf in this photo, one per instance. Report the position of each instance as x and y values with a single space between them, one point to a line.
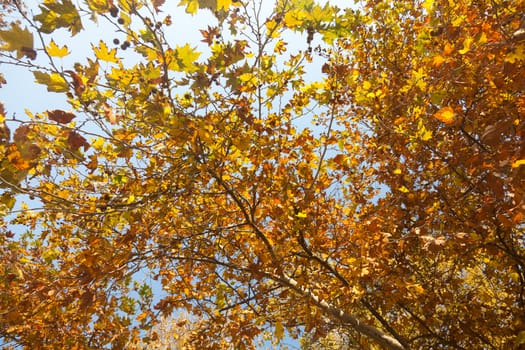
209 34
19 40
516 54
184 59
60 116
59 14
54 81
157 4
54 50
103 53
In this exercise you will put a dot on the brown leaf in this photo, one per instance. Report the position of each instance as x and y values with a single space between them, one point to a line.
496 185
108 113
157 4
60 116
78 83
20 136
93 162
29 52
75 141
492 133
209 35
4 133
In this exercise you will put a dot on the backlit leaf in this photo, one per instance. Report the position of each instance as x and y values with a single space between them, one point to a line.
59 14
446 115
103 53
18 40
54 82
518 163
54 50
184 59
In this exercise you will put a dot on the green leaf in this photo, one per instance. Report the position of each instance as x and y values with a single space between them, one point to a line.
17 39
54 82
59 14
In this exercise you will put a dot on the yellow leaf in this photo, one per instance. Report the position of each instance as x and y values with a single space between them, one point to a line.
466 45
280 47
103 53
279 330
397 171
55 82
55 51
223 4
518 163
301 215
438 60
130 199
98 5
417 288
293 18
458 21
183 59
427 4
98 144
142 316
246 77
517 54
482 38
446 115
192 6
403 189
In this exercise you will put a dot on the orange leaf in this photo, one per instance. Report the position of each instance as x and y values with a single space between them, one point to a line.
438 60
446 115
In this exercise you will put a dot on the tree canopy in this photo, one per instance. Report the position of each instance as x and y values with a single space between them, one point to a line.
303 169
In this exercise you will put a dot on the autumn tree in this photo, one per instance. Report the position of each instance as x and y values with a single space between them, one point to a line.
304 169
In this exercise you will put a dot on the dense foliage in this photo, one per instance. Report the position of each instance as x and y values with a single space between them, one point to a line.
303 169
